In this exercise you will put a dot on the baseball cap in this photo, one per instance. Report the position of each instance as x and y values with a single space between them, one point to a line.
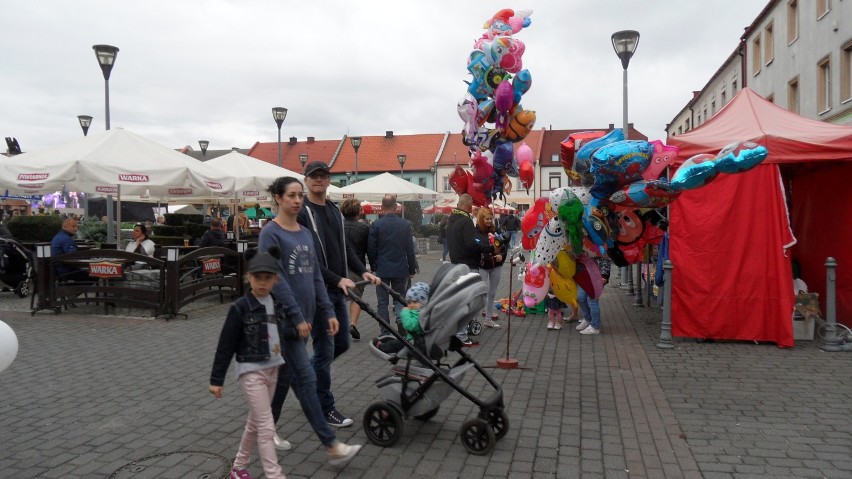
263 262
315 166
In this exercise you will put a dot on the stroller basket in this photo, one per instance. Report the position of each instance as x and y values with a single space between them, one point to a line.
419 379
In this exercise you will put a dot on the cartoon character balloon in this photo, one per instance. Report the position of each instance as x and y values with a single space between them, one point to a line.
536 284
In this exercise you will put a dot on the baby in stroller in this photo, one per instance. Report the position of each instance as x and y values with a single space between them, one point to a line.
415 298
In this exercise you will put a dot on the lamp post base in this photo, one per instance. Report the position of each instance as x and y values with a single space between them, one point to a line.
507 363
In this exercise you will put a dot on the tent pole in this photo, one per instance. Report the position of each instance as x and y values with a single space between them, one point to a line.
118 221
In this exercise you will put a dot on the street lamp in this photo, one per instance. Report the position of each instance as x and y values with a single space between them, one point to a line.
106 59
624 43
433 169
203 144
348 177
303 158
356 143
85 123
401 160
279 113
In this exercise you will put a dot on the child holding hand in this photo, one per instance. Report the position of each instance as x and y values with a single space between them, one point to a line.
252 332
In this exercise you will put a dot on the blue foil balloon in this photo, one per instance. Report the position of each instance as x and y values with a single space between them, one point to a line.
740 157
619 164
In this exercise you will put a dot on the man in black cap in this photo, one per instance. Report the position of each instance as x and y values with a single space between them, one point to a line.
321 215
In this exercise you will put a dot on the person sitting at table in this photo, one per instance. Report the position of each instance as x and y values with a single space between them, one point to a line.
140 244
214 236
63 242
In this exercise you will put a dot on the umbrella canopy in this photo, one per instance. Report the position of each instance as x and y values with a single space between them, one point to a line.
106 161
375 188
188 210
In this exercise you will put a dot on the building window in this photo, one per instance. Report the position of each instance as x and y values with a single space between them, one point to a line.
846 72
724 97
792 21
756 55
824 85
705 113
733 86
555 180
768 44
446 183
793 95
713 104
421 182
687 125
698 120
679 130
823 7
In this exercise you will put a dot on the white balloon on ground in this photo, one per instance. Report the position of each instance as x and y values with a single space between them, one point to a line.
8 346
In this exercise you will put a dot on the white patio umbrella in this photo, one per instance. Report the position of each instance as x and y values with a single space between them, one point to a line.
113 162
375 188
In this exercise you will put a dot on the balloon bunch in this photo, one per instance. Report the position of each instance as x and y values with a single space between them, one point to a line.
610 209
492 113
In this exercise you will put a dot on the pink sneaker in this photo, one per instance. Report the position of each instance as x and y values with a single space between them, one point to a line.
239 474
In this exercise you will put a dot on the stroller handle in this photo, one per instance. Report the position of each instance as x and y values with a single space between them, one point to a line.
396 295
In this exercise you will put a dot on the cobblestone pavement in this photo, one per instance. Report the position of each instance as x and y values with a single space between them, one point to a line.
125 396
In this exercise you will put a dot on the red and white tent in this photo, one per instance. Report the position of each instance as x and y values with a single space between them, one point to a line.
732 240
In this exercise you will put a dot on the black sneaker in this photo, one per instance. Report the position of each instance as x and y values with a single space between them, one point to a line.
353 331
335 419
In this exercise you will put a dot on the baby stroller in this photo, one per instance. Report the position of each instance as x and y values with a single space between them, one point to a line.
16 267
420 379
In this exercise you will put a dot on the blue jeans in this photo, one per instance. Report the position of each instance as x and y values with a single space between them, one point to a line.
383 300
328 348
590 308
298 372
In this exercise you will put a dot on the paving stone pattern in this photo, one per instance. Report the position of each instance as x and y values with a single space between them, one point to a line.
91 393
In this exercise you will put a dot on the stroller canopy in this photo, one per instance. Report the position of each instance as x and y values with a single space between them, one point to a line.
456 296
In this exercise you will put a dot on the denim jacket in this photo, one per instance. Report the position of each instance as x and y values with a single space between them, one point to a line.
245 335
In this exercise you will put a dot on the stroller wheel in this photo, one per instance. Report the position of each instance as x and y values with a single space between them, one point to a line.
23 289
499 421
383 424
474 327
427 415
477 437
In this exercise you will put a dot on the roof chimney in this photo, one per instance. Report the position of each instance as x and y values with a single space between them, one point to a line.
695 94
630 126
310 139
611 126
292 140
389 134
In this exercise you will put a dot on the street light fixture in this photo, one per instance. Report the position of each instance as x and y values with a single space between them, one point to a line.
348 177
278 114
106 55
433 169
401 159
85 123
624 43
356 143
303 158
203 144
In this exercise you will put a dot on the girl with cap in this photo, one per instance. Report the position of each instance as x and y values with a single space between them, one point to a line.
252 332
416 296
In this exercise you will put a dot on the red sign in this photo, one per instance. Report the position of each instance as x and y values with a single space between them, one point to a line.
213 185
180 191
251 193
211 266
106 269
33 176
133 178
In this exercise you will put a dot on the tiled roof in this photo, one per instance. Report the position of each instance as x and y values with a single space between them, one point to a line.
324 150
378 154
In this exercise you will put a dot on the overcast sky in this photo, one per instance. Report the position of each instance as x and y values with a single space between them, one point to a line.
190 70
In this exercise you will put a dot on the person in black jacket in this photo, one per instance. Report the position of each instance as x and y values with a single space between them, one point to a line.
466 246
214 236
357 234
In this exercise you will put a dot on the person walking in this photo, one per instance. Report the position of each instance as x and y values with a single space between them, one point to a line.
299 266
466 246
591 323
336 258
491 262
357 234
252 332
442 237
391 258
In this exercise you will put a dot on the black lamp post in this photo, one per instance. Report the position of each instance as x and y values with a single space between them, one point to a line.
303 158
85 123
348 177
106 55
433 169
356 143
279 113
203 144
624 43
401 159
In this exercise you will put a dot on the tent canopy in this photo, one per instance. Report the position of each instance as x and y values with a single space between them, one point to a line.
104 161
375 188
730 240
790 138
